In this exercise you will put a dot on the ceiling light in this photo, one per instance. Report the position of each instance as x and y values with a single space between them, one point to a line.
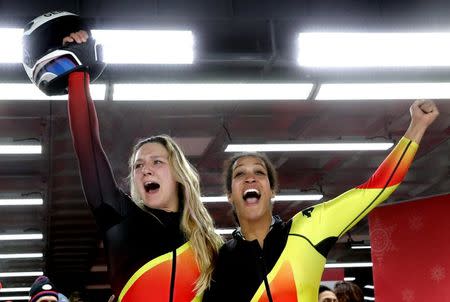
213 199
21 237
383 91
99 268
21 274
348 264
20 149
328 49
154 46
369 298
21 202
224 231
146 46
26 92
14 298
210 92
98 286
21 256
14 289
349 279
366 146
298 197
11 52
369 286
361 247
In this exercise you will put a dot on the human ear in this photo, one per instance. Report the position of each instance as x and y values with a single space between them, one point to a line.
230 200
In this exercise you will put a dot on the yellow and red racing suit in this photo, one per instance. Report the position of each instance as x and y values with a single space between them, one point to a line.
289 267
148 256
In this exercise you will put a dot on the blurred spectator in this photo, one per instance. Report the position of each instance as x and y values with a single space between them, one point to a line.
348 292
43 290
62 298
326 294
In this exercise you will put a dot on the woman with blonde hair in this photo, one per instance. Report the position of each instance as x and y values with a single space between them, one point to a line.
160 242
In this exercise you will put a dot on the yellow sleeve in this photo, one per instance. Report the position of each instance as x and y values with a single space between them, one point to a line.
335 217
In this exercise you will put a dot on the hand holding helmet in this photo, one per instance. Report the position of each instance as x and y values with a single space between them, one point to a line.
48 62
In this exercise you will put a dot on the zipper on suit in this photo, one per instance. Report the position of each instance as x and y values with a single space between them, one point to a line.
172 278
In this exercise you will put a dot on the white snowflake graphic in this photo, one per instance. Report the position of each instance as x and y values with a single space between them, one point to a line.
408 295
381 240
415 223
437 273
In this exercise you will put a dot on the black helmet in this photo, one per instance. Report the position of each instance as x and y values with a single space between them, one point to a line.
47 62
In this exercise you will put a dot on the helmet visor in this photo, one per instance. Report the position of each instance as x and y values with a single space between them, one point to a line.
55 68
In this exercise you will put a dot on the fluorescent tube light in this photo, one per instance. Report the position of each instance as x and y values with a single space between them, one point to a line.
224 231
99 268
14 298
327 49
21 256
25 92
213 199
21 237
369 298
98 286
297 197
20 149
210 92
14 289
208 199
369 286
307 147
21 274
349 279
133 47
349 264
146 46
11 51
383 91
361 247
21 202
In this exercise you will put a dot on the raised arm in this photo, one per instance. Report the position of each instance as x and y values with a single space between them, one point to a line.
423 113
98 181
337 216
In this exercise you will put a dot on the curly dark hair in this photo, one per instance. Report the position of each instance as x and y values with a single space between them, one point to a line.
228 170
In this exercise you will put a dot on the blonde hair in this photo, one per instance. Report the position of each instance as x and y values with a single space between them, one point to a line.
196 223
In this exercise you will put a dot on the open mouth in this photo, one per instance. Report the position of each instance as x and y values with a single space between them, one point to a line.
251 196
151 186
